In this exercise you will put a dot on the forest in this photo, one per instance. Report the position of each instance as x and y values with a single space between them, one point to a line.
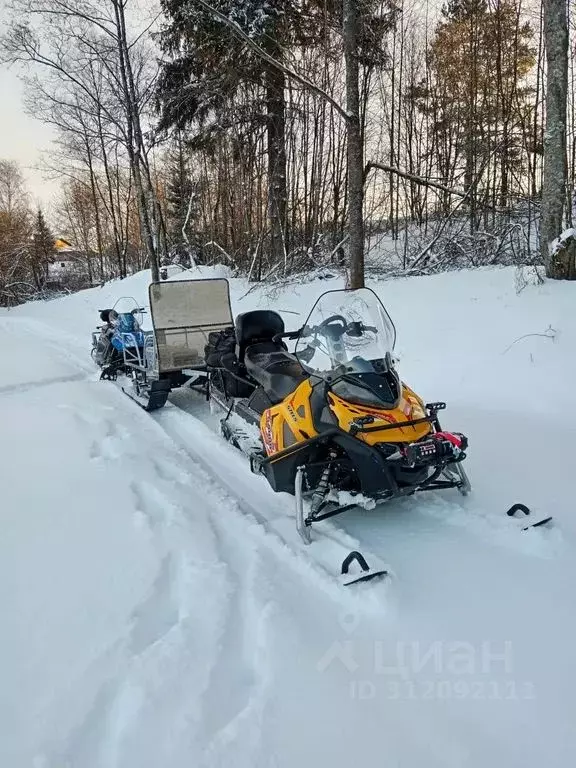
281 137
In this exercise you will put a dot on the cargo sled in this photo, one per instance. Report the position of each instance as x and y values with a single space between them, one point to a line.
171 355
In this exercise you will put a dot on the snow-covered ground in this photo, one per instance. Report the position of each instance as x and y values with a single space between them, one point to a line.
157 609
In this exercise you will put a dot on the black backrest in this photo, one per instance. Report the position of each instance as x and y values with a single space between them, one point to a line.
259 325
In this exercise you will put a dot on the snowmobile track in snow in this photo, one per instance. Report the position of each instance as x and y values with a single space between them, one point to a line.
323 557
28 385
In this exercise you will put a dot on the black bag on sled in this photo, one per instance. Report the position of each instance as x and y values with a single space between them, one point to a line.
220 356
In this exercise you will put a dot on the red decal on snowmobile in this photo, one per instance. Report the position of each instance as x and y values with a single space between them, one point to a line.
268 434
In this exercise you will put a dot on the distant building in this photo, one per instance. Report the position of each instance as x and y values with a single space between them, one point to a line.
67 267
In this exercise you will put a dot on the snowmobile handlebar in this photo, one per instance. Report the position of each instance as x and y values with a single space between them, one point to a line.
134 311
292 335
336 326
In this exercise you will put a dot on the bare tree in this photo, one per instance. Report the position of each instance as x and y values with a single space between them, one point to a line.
16 276
99 41
355 145
555 167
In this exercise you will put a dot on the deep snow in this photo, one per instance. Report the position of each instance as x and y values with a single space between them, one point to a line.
158 611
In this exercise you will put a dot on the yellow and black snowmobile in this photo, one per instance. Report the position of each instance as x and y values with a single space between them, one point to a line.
331 422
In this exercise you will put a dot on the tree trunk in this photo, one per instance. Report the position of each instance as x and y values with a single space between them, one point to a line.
555 171
118 239
95 205
136 150
354 146
471 127
276 134
392 181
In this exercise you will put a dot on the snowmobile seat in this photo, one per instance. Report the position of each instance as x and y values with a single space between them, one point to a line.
274 368
261 325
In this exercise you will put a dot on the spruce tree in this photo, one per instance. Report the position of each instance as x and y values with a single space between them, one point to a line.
209 64
42 250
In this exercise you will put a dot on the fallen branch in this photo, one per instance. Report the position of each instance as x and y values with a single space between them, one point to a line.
549 333
422 255
261 282
339 245
219 247
464 194
416 179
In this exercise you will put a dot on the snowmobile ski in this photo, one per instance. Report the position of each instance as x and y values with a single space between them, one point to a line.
366 573
544 521
526 511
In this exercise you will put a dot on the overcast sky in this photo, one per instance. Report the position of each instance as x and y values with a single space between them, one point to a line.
21 137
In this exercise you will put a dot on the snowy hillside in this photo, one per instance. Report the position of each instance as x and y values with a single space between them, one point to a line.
158 611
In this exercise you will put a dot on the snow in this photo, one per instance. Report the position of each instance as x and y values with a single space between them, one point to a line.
562 241
157 606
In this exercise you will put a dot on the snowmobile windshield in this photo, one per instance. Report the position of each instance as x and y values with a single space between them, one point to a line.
127 305
346 334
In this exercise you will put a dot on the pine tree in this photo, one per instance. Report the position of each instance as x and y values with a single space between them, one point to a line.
42 250
209 66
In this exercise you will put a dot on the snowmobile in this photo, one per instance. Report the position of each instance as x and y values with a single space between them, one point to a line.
170 356
330 423
120 329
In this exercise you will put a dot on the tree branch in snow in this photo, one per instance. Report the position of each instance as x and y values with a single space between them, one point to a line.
219 248
253 262
464 194
549 333
342 242
422 255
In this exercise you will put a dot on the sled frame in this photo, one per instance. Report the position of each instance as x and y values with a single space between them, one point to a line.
141 359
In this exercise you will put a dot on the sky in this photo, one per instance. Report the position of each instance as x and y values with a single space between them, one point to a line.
22 138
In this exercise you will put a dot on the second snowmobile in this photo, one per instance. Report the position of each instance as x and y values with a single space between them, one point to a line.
170 356
120 330
330 423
